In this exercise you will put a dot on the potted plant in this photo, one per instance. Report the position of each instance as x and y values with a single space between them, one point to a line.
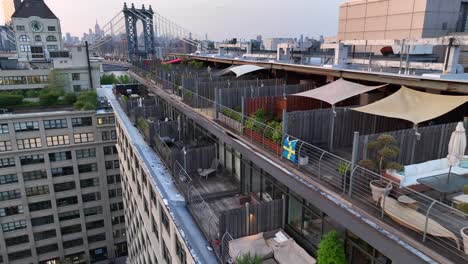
464 234
383 151
249 259
331 250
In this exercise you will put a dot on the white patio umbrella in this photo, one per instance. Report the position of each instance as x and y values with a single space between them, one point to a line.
456 147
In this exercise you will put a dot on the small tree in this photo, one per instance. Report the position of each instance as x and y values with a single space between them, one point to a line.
382 150
57 83
249 259
331 250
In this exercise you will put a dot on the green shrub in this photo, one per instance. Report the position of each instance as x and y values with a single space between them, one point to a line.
232 114
32 93
70 98
249 259
331 250
108 79
87 101
10 100
48 98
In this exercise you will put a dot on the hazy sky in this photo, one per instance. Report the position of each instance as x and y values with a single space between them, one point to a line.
221 19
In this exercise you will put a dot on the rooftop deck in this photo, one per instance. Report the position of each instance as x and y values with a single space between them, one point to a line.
321 176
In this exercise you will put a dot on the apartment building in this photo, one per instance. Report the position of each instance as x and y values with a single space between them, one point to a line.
60 191
160 228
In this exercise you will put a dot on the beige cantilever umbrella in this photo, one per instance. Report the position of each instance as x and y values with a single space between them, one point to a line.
456 147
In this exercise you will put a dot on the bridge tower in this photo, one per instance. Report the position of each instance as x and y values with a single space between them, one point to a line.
132 15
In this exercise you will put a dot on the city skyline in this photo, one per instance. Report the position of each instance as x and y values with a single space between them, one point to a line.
303 16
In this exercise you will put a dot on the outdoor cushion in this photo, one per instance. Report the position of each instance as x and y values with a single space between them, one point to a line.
254 245
463 163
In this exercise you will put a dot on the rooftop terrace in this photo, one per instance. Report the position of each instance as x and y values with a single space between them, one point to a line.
431 231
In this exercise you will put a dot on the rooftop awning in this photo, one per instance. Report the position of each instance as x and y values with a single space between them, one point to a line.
244 69
413 106
337 91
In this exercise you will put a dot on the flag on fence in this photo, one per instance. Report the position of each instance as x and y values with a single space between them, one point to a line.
289 149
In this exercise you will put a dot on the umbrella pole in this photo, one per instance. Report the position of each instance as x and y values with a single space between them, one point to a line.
450 172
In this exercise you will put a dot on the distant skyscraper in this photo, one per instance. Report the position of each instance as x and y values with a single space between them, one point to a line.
9 7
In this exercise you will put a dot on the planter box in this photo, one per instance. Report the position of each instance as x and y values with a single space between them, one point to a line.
232 123
268 143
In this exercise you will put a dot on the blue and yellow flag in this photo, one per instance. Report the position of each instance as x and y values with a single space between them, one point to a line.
289 149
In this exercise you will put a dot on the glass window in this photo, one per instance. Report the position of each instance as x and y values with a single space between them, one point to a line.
10 195
11 210
86 153
12 226
71 229
29 143
4 129
26 126
24 38
51 28
34 175
96 238
20 28
73 243
37 190
51 39
110 150
89 183
25 48
99 254
58 140
44 220
93 210
19 255
55 124
63 171
44 235
82 121
180 252
37 38
66 186
87 168
90 197
16 240
5 146
60 156
83 137
8 179
67 201
95 224
32 159
7 162
69 215
52 47
166 254
46 249
75 76
40 206
165 220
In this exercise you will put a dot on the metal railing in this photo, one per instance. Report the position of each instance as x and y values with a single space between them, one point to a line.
435 224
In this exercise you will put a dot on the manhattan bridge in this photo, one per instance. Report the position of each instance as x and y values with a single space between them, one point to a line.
140 32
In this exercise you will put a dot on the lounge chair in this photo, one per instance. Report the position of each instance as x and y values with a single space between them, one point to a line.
414 220
205 173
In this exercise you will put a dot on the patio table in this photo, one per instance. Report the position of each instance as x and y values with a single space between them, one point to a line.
440 184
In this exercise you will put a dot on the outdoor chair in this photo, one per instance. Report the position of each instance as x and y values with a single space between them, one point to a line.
461 201
205 173
414 220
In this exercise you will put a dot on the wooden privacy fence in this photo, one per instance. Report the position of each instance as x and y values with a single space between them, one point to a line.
253 219
430 145
232 97
276 104
315 126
